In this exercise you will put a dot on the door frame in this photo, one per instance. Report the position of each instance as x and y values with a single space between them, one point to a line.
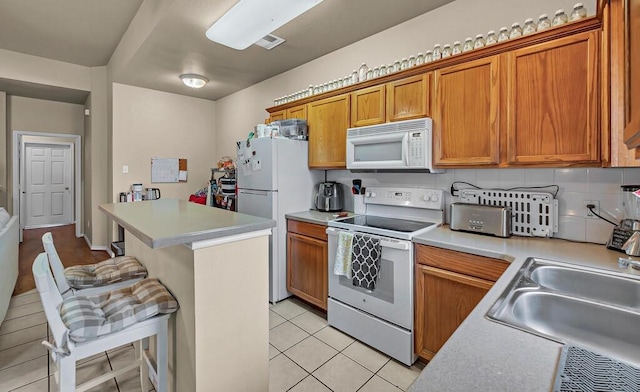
18 170
23 173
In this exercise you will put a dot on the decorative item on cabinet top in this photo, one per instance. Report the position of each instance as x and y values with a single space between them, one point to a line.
439 51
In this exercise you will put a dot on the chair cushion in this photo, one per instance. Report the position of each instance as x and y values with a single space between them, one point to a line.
89 317
105 272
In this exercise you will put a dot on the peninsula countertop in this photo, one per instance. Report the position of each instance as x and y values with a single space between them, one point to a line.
484 355
167 222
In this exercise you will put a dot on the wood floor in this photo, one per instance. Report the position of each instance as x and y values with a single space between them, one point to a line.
72 251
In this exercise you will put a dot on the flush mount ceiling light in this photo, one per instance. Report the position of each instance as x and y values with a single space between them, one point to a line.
193 80
250 20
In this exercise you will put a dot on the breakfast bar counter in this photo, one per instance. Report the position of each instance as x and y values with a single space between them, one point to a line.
216 263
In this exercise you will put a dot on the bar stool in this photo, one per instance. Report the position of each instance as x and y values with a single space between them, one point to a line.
107 275
86 325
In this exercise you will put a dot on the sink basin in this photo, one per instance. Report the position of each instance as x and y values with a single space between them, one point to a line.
587 283
569 303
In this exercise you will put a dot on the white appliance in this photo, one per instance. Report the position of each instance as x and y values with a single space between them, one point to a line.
401 145
273 179
383 317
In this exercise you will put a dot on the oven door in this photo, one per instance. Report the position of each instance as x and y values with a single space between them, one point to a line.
392 299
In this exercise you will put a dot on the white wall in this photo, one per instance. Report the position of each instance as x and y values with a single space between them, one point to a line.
34 69
149 123
238 113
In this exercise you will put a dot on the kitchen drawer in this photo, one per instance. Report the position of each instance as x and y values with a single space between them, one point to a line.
308 229
464 263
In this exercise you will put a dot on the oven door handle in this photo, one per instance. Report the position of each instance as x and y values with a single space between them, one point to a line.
384 242
394 244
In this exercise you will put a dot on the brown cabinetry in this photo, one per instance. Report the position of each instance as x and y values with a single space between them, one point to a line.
533 106
409 98
449 285
553 102
623 32
328 121
299 111
368 106
307 262
466 124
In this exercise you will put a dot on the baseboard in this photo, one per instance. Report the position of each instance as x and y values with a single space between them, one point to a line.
97 247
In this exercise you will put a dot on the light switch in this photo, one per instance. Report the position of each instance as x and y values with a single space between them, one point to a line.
125 169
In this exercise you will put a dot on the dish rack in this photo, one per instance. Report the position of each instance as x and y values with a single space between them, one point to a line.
533 214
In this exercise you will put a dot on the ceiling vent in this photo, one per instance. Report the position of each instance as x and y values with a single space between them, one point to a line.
269 41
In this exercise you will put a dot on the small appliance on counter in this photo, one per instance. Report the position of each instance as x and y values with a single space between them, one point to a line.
329 196
484 219
137 191
152 194
630 222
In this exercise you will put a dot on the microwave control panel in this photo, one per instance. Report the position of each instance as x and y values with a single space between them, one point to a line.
416 148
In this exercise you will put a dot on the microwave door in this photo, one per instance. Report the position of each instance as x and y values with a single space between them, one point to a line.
385 151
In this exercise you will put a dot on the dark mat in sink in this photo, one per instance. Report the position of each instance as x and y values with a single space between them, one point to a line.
582 370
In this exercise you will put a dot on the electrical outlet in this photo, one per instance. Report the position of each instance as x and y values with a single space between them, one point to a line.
125 169
596 209
88 224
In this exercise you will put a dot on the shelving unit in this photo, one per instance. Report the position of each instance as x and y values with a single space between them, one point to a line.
219 198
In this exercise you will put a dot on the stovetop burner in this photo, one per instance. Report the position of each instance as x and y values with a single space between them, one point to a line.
393 224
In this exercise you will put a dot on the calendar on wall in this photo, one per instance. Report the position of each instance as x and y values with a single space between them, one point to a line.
168 170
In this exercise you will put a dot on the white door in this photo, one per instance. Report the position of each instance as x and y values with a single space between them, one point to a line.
48 185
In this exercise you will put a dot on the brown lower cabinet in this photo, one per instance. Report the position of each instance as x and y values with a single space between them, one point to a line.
449 285
307 262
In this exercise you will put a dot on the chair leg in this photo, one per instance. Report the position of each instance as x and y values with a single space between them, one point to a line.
141 346
163 352
67 374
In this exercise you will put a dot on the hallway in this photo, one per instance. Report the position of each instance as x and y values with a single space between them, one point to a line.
72 251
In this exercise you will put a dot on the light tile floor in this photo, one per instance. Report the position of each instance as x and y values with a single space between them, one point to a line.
306 355
24 361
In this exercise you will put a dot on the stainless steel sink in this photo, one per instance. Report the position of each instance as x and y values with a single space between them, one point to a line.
587 283
569 303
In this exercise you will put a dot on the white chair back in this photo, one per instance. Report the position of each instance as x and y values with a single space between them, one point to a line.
51 299
56 265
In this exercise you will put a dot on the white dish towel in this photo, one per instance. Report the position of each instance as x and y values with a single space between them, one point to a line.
342 265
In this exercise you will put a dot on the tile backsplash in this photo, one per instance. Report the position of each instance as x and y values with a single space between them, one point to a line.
576 186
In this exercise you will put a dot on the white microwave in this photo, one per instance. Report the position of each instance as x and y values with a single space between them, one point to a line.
395 146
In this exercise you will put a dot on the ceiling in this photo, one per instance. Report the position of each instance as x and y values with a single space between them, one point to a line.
86 32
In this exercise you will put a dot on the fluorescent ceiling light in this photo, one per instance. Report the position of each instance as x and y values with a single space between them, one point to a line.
250 20
193 80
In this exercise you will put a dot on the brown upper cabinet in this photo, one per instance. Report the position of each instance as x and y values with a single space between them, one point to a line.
553 102
409 98
466 124
536 106
539 100
622 32
399 100
328 122
368 106
299 111
630 69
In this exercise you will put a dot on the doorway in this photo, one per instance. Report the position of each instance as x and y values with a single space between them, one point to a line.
44 166
47 185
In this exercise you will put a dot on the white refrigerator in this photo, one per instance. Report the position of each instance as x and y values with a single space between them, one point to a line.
273 179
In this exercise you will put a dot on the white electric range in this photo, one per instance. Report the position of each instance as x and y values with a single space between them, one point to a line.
381 315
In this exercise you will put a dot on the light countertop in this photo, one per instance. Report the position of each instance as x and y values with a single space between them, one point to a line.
314 216
168 222
484 355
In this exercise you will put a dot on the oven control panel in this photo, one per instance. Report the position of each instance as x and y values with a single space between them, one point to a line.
406 197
